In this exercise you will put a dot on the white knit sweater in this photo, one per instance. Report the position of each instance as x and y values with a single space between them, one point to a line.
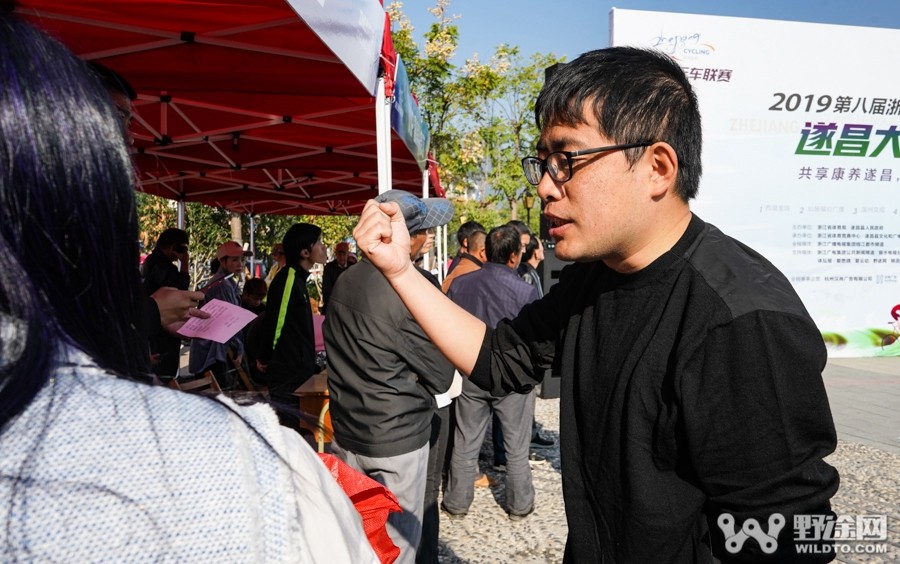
98 469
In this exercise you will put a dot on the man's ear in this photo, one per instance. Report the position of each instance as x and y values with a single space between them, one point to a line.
663 169
304 253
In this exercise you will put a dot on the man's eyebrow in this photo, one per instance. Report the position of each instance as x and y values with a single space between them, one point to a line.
558 144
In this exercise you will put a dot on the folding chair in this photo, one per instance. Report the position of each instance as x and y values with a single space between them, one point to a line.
205 383
324 428
245 378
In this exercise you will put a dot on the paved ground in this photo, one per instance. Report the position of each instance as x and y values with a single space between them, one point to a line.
865 399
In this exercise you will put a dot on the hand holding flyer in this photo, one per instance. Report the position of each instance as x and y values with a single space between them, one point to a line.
224 321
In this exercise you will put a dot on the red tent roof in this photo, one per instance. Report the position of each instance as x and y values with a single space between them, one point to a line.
241 104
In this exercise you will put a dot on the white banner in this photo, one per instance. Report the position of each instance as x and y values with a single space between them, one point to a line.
801 154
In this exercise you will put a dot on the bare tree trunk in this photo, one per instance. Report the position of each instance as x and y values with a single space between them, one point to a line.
236 234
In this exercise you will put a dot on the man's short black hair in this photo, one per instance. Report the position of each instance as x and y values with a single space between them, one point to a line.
520 226
635 95
466 229
255 287
171 236
501 243
530 248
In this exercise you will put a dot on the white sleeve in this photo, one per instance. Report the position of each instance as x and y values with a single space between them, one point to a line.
330 525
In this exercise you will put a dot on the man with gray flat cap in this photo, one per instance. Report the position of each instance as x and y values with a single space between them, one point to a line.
384 373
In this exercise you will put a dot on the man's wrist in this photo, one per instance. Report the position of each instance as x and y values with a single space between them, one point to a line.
408 269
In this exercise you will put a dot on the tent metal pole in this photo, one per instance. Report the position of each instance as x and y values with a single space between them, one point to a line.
383 136
181 214
252 245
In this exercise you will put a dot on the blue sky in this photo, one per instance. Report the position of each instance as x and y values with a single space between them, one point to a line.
571 27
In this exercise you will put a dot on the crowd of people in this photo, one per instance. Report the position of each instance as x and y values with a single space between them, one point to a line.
691 371
97 464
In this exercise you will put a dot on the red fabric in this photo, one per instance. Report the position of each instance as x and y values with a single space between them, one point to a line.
240 104
373 501
388 58
434 177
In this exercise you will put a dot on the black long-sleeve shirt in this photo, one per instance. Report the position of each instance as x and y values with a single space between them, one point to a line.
689 390
330 274
292 360
158 271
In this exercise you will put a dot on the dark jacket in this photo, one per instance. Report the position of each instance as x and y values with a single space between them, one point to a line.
383 372
690 390
158 271
491 293
292 361
330 274
529 274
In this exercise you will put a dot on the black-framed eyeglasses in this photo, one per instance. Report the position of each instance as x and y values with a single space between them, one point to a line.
559 163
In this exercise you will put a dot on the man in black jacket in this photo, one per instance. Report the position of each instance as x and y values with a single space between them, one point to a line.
693 417
159 271
383 374
333 270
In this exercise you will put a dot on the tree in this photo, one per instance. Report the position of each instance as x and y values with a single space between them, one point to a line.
481 123
480 115
209 227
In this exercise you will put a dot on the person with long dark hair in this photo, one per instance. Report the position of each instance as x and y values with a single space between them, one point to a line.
95 465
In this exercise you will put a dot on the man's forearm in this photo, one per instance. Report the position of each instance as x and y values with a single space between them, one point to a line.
455 332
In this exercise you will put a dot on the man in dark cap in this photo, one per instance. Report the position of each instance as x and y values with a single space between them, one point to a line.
383 376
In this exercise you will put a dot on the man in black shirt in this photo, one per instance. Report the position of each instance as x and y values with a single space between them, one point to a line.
333 270
692 407
159 271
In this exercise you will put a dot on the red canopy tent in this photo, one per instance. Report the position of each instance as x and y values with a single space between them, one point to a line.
262 106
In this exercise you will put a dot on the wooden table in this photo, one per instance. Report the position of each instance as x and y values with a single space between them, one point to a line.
315 418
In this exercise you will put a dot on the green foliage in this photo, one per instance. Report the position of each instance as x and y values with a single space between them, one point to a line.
480 115
208 227
270 229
